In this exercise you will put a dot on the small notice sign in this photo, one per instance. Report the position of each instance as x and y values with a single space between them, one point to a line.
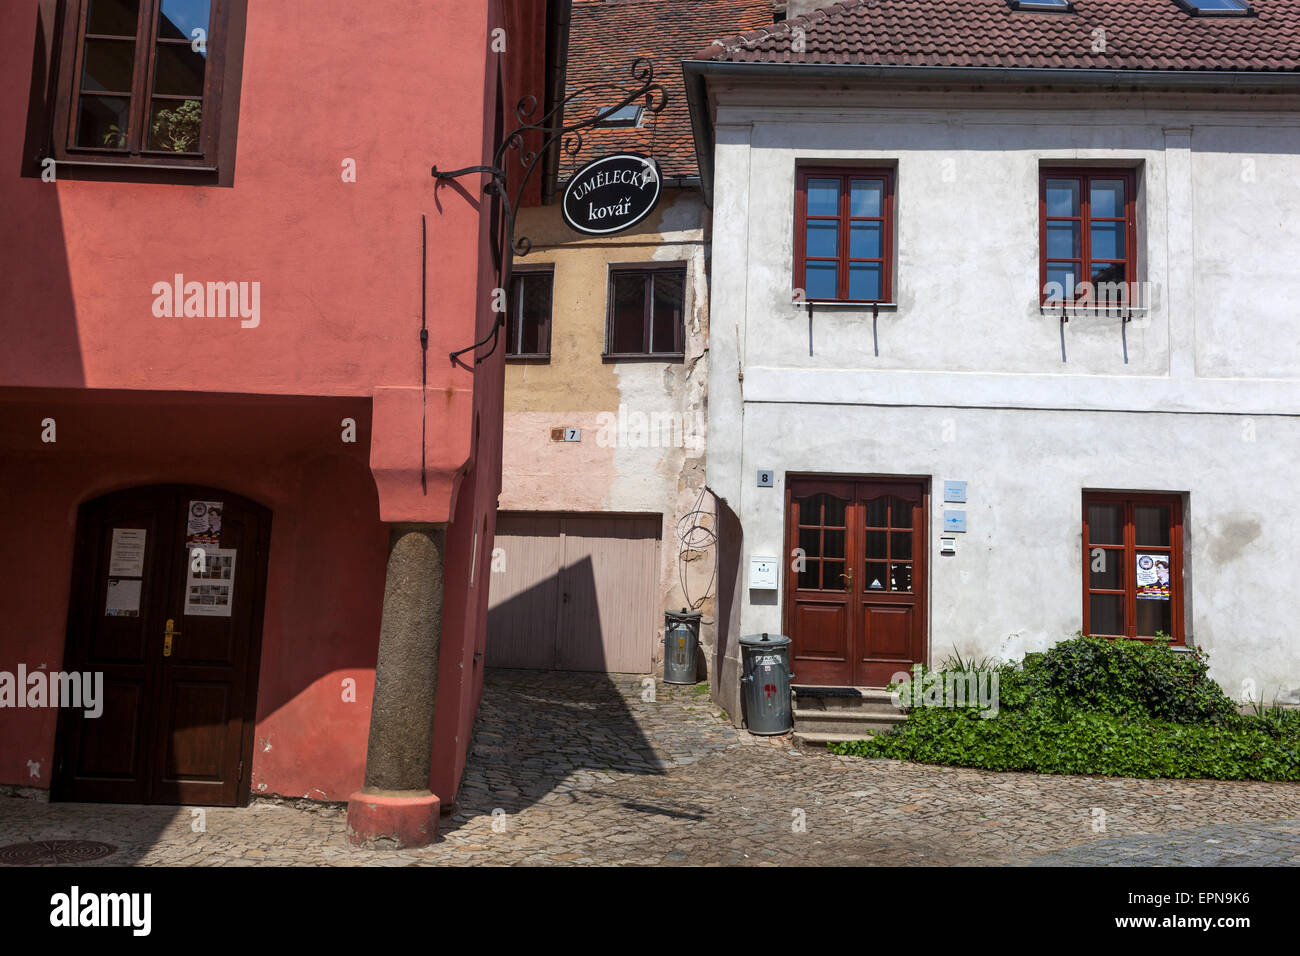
126 557
123 598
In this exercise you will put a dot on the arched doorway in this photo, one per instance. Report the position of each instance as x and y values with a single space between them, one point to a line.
168 589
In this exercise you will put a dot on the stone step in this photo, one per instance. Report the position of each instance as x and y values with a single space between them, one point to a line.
845 699
813 690
818 740
846 721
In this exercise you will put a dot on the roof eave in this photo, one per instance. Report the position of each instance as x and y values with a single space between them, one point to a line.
696 72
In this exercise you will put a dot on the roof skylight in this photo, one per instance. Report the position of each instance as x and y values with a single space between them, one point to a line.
1052 6
625 118
1216 8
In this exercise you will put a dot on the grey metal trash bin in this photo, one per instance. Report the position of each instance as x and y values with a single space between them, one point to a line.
681 638
766 681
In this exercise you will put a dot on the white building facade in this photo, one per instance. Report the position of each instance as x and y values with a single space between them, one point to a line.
900 316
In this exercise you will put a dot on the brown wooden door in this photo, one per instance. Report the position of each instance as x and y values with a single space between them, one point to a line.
855 611
177 720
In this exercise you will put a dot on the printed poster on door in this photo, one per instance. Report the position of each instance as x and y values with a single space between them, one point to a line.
209 592
1152 577
203 525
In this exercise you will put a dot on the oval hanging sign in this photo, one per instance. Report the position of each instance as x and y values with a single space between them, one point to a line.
611 194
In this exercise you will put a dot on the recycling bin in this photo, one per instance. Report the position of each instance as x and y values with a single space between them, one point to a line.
681 638
765 679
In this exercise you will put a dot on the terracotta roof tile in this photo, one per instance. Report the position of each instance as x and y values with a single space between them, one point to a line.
605 36
1138 34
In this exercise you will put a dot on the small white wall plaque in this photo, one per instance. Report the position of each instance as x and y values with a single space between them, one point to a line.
763 573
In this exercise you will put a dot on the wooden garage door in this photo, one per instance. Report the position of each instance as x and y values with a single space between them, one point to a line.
575 592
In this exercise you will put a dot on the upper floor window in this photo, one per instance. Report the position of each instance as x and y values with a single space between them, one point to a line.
528 324
843 244
1133 565
1088 239
646 312
144 82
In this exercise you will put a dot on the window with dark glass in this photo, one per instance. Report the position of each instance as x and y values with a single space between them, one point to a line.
646 313
142 82
843 245
528 323
1088 235
1133 566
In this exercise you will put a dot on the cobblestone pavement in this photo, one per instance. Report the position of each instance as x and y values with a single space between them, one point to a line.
1243 844
579 769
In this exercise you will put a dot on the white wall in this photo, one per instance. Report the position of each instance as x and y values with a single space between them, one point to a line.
968 379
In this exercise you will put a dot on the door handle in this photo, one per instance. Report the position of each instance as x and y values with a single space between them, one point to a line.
848 577
168 633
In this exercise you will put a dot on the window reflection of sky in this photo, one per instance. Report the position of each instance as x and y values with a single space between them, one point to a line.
184 17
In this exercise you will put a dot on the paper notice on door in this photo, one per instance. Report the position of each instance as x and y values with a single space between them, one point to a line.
203 524
123 598
126 559
210 592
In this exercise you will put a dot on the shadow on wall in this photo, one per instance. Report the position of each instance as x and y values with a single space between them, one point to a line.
726 647
38 315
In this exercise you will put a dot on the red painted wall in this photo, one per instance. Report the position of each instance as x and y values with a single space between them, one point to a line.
326 565
397 86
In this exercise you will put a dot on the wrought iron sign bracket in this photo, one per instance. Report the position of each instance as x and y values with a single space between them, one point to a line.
552 130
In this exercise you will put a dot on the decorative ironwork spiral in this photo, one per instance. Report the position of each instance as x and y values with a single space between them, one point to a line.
525 108
552 129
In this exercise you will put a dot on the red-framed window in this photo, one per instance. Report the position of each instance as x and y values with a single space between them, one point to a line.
844 234
1088 234
1133 565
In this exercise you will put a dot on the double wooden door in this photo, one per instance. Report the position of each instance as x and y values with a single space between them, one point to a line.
856 588
167 594
575 592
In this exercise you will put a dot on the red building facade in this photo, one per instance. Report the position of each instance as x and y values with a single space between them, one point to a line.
213 297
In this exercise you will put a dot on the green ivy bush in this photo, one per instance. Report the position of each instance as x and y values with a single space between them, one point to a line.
1100 706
